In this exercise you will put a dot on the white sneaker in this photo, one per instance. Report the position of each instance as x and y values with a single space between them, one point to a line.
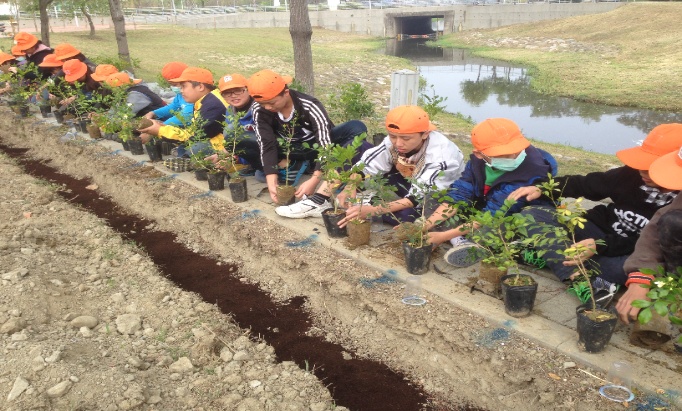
302 209
465 253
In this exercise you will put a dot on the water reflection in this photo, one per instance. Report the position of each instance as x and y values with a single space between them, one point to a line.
483 88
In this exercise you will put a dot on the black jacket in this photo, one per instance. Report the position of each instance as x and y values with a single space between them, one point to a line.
624 218
312 126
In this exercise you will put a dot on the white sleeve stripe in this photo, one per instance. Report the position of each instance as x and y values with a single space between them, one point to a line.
374 154
256 113
320 119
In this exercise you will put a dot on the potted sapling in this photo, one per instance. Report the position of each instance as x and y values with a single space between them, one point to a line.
217 171
660 318
339 173
596 324
234 133
413 236
286 193
502 237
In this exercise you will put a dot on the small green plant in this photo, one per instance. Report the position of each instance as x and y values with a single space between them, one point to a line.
338 170
117 62
665 293
286 143
433 104
162 335
119 117
108 254
352 103
570 216
233 133
503 235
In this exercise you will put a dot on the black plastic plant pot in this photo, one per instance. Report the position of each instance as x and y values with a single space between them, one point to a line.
24 111
59 116
126 145
216 181
595 328
154 151
136 146
201 174
166 148
331 223
519 299
238 191
82 125
417 259
45 111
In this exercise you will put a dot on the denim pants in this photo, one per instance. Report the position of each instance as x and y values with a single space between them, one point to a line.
609 268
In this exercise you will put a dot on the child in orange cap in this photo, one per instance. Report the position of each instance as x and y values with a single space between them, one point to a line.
197 87
279 109
65 52
233 89
139 97
102 71
502 161
76 71
660 243
178 112
7 65
35 51
634 196
412 151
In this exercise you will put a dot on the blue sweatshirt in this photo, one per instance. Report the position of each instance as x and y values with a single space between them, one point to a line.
178 104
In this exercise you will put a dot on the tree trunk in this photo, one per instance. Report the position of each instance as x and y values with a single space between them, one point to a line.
120 29
301 32
44 21
87 15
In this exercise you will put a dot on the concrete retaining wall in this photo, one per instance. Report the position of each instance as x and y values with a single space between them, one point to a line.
378 22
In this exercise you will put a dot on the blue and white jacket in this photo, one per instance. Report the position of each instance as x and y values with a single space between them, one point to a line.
470 187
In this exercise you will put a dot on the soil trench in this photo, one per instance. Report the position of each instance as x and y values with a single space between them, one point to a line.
358 384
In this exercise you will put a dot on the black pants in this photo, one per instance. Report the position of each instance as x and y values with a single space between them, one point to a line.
670 239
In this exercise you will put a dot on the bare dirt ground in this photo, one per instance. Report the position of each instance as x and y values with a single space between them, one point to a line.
89 322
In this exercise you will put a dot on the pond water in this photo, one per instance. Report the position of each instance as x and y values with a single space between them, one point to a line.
483 88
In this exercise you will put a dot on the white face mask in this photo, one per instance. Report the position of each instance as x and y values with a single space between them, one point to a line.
175 89
507 164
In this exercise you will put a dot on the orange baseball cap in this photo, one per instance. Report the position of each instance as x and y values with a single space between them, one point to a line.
173 70
266 85
50 61
197 74
661 140
408 119
229 81
16 52
497 137
120 79
73 70
4 57
103 71
25 41
666 171
65 51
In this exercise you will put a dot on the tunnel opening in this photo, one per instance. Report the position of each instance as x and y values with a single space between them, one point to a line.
411 27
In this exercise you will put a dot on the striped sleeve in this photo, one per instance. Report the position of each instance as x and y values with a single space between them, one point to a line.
320 121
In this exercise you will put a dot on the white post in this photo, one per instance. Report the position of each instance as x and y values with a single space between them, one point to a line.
404 88
75 16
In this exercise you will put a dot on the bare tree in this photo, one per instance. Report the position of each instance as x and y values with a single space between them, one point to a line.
86 13
120 30
44 21
301 32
